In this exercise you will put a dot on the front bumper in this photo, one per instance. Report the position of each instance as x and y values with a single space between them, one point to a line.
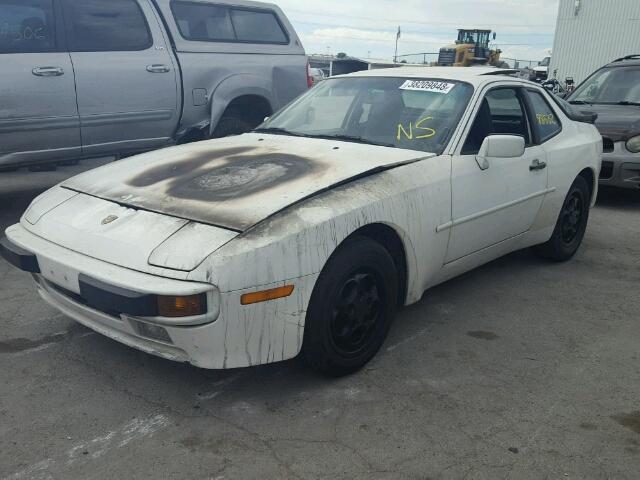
237 336
620 168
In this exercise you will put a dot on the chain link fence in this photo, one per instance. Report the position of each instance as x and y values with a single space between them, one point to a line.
428 58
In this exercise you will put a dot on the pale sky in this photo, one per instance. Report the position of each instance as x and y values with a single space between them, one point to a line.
368 28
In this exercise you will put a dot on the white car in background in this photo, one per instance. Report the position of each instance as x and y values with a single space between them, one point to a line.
541 71
307 234
317 75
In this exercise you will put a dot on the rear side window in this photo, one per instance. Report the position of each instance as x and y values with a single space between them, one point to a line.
101 26
544 119
202 22
252 26
219 23
27 26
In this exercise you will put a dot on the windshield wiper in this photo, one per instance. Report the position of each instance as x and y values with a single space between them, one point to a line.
353 138
278 131
579 102
346 138
627 102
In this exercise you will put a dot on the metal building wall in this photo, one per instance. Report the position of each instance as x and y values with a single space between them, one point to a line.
592 33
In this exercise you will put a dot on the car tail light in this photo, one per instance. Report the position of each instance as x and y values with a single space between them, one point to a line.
309 76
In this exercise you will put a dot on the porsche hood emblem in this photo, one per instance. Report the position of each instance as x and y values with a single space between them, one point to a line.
109 219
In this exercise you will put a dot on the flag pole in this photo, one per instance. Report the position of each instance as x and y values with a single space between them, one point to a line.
395 57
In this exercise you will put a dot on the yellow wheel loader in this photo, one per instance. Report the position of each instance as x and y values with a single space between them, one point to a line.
471 49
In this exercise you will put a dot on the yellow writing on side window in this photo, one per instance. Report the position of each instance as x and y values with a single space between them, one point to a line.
544 119
408 133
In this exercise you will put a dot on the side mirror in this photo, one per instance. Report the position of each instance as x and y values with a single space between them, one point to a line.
500 146
266 119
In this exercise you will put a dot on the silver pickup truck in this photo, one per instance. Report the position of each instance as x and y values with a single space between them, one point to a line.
86 78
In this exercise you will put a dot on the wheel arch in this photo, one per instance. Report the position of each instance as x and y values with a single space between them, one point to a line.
240 90
397 243
592 180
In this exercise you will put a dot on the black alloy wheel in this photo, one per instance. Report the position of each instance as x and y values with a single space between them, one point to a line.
571 226
351 308
356 313
572 217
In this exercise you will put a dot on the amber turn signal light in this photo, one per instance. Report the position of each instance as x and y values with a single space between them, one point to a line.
182 306
266 295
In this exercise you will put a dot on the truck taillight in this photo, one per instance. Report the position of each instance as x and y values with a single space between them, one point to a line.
309 77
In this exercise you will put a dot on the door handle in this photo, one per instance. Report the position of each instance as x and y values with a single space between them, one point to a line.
47 71
537 165
158 68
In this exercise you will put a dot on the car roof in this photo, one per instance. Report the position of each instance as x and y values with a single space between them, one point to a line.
628 61
475 75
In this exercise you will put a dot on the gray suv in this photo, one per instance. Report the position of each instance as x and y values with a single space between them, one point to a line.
86 78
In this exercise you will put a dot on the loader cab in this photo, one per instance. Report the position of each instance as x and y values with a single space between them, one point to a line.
478 38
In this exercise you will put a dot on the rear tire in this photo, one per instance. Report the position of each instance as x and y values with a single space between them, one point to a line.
571 226
351 308
232 123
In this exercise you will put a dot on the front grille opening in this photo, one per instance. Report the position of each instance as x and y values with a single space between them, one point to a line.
607 145
447 57
79 299
606 171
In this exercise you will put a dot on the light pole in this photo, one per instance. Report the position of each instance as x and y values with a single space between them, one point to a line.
395 56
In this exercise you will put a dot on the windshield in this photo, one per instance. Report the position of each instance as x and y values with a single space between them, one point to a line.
610 86
545 62
393 112
473 36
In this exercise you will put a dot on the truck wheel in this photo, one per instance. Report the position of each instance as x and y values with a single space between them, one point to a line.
351 308
571 225
231 123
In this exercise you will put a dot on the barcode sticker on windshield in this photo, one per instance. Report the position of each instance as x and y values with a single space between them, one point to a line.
427 86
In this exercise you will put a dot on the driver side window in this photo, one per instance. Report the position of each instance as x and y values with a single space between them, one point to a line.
502 112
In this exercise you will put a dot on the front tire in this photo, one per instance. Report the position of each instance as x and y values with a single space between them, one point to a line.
571 226
351 308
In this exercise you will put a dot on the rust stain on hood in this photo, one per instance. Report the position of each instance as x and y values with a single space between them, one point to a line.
235 182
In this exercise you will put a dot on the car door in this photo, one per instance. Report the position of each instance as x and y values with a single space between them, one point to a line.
126 80
38 112
497 200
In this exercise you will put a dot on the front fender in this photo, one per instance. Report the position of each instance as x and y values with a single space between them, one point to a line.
235 86
299 241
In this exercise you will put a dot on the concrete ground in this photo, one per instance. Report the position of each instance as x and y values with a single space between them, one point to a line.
521 369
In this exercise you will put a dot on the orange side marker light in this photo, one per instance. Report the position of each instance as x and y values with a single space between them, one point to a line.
266 295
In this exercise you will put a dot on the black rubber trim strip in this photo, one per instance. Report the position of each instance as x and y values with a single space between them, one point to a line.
105 297
18 257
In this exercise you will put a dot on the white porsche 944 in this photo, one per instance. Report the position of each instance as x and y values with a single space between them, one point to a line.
306 235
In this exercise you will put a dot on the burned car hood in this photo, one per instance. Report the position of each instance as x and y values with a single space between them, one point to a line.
617 122
236 182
